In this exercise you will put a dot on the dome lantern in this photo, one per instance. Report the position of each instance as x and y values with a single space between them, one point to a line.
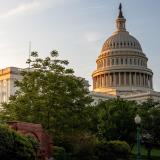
120 21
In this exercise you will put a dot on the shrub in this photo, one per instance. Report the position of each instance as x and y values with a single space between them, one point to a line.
78 146
112 150
14 146
59 153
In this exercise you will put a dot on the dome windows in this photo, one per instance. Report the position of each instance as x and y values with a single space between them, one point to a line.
126 60
121 44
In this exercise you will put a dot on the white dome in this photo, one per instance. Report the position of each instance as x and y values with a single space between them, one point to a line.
122 65
120 40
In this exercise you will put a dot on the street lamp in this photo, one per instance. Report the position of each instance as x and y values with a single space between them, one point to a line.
137 120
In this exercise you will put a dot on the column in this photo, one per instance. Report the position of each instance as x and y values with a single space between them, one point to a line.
148 81
108 79
111 76
93 82
135 78
151 83
101 81
119 78
104 80
142 79
130 78
111 82
114 79
140 83
125 80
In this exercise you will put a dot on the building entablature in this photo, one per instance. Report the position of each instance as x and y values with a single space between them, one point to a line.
125 69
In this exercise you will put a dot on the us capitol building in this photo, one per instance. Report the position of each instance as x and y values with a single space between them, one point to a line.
122 69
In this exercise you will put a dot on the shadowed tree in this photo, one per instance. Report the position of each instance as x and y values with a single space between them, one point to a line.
50 94
115 120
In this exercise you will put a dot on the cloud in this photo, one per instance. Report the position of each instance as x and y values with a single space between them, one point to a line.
93 36
30 7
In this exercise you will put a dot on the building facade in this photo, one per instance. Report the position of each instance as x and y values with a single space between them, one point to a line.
122 69
8 76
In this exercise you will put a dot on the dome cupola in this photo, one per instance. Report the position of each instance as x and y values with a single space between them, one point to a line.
121 38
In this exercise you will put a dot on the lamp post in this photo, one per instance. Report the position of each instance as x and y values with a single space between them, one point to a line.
137 120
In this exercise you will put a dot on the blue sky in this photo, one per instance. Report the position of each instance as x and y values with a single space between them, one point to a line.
77 29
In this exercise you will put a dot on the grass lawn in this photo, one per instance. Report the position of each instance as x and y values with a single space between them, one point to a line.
155 154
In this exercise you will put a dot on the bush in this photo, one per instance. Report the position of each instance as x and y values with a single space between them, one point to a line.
121 148
84 146
112 150
14 146
59 153
78 146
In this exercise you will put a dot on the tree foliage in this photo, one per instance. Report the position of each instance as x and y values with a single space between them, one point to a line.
15 146
115 120
49 93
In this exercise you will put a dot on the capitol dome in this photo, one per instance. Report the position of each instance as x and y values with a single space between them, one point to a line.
121 40
122 65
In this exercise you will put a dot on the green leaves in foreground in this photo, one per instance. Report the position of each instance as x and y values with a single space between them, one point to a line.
14 146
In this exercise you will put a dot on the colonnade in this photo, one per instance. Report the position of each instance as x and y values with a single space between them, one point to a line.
116 79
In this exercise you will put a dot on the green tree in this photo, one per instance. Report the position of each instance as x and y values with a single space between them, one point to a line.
150 112
50 94
115 120
15 146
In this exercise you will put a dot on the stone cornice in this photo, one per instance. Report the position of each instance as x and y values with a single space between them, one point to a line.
124 69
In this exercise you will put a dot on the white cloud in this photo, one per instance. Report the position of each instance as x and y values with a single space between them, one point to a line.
30 7
93 36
